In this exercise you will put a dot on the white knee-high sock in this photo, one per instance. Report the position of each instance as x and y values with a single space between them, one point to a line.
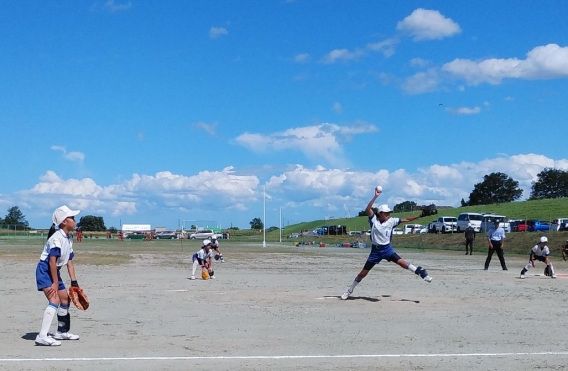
195 264
354 284
411 267
48 315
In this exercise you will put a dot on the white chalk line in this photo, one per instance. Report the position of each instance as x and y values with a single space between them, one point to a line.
191 358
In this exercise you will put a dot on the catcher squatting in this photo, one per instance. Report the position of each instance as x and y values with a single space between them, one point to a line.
58 252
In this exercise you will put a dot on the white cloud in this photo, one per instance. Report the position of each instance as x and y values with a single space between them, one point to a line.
386 47
422 82
337 107
464 110
302 58
215 32
342 55
542 62
71 156
319 188
114 7
419 62
318 141
208 128
425 24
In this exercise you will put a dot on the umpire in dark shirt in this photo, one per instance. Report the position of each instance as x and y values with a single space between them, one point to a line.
496 240
469 238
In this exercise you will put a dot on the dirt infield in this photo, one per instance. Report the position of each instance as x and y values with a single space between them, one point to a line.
279 308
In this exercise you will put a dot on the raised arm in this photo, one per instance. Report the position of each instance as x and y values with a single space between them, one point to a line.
369 209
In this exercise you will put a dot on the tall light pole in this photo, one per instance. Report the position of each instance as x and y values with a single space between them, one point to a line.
264 216
280 224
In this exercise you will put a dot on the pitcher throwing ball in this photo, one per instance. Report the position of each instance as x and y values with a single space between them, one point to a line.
381 235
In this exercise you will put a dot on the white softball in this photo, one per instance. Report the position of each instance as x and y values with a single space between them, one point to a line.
379 188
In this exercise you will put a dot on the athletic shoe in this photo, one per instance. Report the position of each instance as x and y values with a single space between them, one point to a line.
522 276
192 277
65 336
212 277
47 341
222 260
346 294
423 274
553 276
505 269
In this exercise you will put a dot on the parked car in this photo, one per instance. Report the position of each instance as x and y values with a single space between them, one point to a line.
397 231
490 219
412 228
293 235
539 226
464 219
205 233
557 224
447 224
134 236
166 235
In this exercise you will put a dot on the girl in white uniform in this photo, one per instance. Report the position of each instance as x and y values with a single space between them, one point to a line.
541 253
203 258
57 253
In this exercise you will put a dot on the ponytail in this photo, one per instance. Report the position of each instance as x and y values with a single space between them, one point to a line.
51 231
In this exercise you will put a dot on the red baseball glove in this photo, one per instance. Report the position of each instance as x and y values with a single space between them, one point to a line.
78 297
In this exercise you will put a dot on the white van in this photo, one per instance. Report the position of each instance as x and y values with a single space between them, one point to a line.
412 228
489 219
475 219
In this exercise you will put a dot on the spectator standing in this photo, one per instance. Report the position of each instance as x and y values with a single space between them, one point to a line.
565 251
496 240
469 238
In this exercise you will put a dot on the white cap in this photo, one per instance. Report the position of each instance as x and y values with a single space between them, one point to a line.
206 242
469 224
384 208
543 239
62 213
213 237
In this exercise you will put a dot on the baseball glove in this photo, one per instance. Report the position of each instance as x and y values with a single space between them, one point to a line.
78 297
205 274
548 271
429 210
217 256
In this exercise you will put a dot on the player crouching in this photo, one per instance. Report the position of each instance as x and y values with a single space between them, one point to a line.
541 253
203 258
215 247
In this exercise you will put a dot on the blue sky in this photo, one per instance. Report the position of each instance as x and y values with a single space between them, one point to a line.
156 112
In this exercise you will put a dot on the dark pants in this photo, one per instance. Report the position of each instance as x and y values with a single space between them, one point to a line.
497 248
469 242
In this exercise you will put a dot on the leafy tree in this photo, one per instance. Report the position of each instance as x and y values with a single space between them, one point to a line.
362 213
551 183
463 203
272 229
92 223
256 223
16 217
405 206
495 188
112 230
234 228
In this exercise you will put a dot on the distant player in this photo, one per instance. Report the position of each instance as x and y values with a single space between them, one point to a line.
203 259
215 246
381 235
541 253
57 253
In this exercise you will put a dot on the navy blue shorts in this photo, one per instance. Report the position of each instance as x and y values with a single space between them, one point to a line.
378 254
43 278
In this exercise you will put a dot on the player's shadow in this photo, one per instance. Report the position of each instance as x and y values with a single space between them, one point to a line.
30 336
373 300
